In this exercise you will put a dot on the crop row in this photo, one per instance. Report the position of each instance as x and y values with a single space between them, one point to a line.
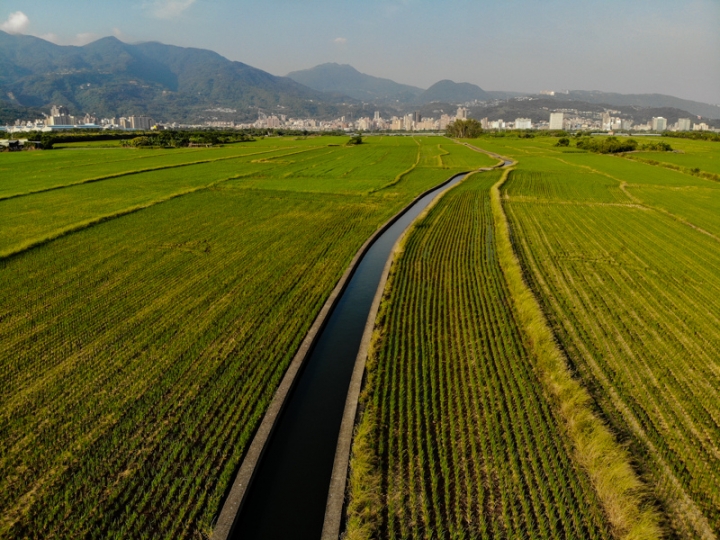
633 297
457 438
120 415
138 355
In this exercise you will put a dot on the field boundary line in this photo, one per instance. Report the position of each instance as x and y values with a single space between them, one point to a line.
402 174
703 175
138 171
606 462
639 202
491 154
86 224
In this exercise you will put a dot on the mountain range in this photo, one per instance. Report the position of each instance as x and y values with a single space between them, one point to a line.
111 78
345 79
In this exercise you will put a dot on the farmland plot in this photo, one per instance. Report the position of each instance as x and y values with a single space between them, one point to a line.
633 295
457 438
138 354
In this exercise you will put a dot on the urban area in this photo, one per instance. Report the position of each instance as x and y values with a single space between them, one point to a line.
60 119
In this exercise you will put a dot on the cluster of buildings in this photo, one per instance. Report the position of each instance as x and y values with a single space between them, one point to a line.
410 122
572 120
60 119
562 119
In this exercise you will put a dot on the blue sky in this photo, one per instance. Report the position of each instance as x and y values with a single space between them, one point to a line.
629 46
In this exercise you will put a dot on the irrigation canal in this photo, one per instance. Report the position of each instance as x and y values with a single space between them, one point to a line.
289 490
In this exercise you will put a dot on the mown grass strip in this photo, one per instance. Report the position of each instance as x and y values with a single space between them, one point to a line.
607 463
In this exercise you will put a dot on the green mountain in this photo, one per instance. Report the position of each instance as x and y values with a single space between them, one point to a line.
345 79
447 91
656 101
109 78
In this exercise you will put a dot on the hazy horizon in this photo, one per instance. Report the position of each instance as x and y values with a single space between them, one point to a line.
638 47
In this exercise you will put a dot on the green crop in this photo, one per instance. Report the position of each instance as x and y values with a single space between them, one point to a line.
631 289
457 438
147 316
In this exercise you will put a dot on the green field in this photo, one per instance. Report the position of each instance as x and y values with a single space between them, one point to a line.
631 288
465 443
621 257
151 301
147 318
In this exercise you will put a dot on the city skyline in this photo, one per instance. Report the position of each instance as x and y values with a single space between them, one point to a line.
637 47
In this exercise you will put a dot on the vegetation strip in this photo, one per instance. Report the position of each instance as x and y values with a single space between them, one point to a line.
403 174
137 171
36 242
693 171
234 501
607 463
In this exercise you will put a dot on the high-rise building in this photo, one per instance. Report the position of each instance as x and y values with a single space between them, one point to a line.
461 113
684 124
59 110
557 120
141 122
659 123
606 121
523 123
416 117
408 122
376 118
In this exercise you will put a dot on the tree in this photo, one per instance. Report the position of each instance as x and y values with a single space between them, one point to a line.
464 129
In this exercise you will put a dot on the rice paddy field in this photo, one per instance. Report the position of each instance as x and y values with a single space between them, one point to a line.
465 443
624 259
151 300
150 303
461 437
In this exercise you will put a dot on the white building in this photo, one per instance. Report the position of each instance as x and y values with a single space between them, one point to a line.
684 124
557 120
523 123
461 113
408 122
445 121
659 123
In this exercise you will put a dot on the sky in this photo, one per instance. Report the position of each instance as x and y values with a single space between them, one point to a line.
627 46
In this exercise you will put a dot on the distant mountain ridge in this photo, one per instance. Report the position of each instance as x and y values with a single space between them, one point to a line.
109 77
345 79
448 91
656 101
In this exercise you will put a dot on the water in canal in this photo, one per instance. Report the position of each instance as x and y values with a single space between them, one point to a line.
287 497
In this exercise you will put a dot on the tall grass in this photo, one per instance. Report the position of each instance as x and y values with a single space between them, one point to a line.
621 492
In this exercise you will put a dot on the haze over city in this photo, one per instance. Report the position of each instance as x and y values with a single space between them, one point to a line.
641 46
